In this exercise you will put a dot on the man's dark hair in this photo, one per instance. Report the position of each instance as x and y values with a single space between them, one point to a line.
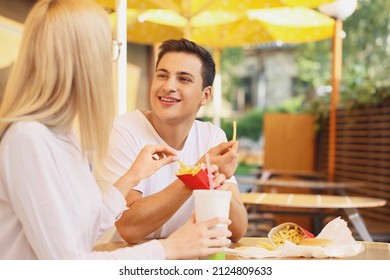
186 46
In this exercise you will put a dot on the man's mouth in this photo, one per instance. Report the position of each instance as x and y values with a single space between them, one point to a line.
169 99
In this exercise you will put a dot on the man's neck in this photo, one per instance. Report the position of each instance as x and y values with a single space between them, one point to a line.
173 133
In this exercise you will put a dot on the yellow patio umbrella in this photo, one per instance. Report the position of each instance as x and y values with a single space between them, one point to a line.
190 8
219 24
222 23
218 30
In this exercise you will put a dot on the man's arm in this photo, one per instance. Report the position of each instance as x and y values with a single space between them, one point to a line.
148 214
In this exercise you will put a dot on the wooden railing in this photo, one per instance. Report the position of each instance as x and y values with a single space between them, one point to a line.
362 154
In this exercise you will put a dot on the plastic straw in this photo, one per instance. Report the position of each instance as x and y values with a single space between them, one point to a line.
208 164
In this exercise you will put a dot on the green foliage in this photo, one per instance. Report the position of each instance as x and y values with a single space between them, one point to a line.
251 125
231 57
314 62
366 67
227 126
292 105
244 168
248 126
366 64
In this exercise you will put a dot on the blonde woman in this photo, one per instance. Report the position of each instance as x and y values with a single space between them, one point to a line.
50 204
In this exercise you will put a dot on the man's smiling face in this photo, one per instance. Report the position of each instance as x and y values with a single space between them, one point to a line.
176 91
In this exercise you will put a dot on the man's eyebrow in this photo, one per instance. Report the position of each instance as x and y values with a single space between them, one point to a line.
162 70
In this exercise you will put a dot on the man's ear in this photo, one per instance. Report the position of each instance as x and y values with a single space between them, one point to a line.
206 96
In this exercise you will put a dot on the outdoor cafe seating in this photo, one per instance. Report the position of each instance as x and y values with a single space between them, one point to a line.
295 161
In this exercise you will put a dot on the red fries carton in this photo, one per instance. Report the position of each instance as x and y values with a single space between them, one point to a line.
194 177
290 232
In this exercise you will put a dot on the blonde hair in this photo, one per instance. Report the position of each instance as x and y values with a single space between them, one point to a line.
64 72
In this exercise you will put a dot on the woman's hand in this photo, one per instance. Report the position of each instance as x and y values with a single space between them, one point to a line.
150 159
195 240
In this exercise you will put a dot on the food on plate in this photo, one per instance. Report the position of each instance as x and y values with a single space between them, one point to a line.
266 245
289 232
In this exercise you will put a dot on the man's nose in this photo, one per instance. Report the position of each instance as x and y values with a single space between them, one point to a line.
170 84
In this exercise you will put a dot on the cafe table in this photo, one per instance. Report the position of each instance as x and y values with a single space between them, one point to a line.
313 185
298 174
315 204
373 250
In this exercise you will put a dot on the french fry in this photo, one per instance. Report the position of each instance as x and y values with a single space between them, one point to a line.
234 130
184 169
291 233
261 244
265 245
195 177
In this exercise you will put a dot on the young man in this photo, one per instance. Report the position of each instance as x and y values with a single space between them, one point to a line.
162 203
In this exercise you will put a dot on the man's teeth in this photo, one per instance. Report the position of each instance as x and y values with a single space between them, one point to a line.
168 100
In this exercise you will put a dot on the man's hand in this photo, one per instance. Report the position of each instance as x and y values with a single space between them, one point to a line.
224 156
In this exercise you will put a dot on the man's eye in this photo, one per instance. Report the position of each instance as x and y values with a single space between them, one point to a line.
185 79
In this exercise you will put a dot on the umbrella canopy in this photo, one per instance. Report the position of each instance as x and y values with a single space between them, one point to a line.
224 23
190 8
216 29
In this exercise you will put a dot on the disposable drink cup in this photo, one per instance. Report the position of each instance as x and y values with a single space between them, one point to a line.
210 204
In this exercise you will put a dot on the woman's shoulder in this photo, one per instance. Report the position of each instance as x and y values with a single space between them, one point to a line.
129 118
31 128
26 134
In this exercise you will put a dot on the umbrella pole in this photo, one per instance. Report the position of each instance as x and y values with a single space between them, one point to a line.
217 96
121 75
336 78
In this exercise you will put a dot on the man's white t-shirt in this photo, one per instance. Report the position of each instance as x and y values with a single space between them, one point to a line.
132 131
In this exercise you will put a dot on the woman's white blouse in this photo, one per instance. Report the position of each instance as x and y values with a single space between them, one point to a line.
50 204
